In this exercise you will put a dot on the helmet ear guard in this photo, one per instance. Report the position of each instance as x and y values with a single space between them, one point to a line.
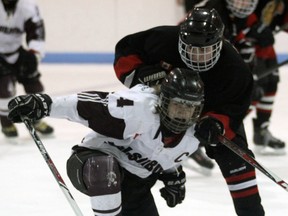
181 99
200 39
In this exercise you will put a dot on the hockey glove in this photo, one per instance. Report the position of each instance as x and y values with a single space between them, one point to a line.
150 75
208 129
262 35
33 106
174 190
247 51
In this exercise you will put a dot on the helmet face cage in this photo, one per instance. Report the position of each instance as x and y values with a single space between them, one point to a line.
241 8
177 114
199 58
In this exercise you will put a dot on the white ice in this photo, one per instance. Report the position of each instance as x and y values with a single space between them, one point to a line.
27 186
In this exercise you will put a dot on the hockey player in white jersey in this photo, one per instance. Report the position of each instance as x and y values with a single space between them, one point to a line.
140 135
19 18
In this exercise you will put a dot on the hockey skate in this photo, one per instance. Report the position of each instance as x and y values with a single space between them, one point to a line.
266 143
10 131
200 163
43 128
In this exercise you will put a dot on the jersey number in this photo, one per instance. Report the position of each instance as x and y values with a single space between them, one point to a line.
121 102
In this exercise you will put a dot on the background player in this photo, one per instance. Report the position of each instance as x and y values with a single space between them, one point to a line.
247 28
19 18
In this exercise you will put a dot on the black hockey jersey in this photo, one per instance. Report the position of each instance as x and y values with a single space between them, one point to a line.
228 84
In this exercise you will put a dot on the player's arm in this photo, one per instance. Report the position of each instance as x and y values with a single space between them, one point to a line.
35 32
131 62
92 109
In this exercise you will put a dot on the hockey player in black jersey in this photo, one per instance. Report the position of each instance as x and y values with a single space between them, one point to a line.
19 18
140 135
198 44
249 25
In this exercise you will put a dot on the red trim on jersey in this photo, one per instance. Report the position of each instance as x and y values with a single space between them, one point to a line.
263 110
126 64
245 193
241 177
240 36
270 93
226 123
265 52
251 20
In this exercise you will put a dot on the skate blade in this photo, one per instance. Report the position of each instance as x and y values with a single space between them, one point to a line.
267 150
191 165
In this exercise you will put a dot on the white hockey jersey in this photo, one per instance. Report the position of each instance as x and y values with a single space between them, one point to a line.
125 124
26 20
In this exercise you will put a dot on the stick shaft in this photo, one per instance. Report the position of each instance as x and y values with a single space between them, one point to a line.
52 167
270 70
249 159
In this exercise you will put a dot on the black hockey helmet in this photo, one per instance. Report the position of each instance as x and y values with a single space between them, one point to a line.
200 39
241 8
181 99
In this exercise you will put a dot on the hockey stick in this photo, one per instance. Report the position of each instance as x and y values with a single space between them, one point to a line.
269 70
52 167
281 28
249 159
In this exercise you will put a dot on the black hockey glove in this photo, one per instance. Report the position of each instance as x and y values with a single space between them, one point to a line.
150 75
208 129
262 35
33 106
247 51
174 190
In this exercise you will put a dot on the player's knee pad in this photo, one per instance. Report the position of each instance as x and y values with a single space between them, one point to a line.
93 172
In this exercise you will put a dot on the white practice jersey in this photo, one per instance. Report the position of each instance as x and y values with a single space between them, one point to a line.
125 124
26 20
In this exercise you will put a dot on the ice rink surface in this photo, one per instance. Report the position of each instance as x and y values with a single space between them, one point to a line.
28 188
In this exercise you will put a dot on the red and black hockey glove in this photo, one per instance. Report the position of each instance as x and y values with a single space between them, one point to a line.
208 129
174 190
33 106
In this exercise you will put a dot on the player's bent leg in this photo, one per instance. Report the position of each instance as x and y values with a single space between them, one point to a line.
265 142
7 92
137 198
97 175
240 178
